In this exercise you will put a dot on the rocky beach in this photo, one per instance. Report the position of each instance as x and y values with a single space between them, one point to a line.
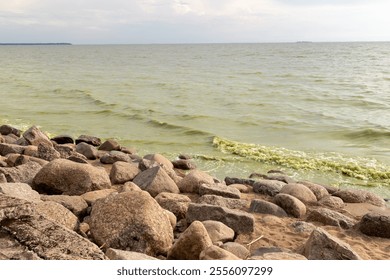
67 198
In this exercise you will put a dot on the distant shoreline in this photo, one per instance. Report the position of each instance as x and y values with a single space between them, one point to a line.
35 44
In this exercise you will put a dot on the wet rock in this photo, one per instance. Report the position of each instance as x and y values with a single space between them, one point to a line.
265 207
190 243
330 217
323 246
74 203
220 190
374 224
360 196
175 203
122 172
268 187
155 180
91 140
237 249
216 253
115 254
63 139
231 203
34 136
193 180
299 191
239 221
110 145
218 232
20 190
131 221
292 205
87 150
24 173
63 176
114 156
319 191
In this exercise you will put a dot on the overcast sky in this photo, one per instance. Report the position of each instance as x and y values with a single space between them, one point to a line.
193 21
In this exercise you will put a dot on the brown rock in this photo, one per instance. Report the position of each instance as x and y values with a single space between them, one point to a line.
319 191
218 232
190 243
232 203
131 221
19 190
91 140
115 254
265 207
268 187
6 149
237 249
74 203
175 203
34 136
323 246
47 152
330 217
63 176
87 150
299 191
220 190
110 145
93 196
360 196
292 205
57 213
242 188
216 253
333 202
11 249
374 224
122 172
24 173
184 164
114 156
193 180
160 159
7 129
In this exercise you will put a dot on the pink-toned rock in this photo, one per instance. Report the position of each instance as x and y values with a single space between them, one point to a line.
193 180
299 191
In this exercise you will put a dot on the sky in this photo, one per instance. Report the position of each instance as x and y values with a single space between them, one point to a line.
196 21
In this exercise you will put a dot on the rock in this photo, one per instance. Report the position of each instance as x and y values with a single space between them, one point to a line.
190 243
114 156
231 181
20 190
323 246
24 173
184 164
63 176
122 172
34 136
360 196
292 205
87 150
145 164
63 139
47 152
242 188
6 149
7 129
333 202
265 207
2 178
299 191
237 249
319 191
78 158
110 145
131 221
128 187
11 249
155 180
91 197
193 180
274 176
374 224
218 232
301 226
239 221
220 190
42 236
330 217
268 187
74 203
216 253
231 203
115 254
66 150
16 160
279 256
58 214
175 203
160 159
171 217
91 140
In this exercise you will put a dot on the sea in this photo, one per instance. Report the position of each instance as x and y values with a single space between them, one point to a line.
316 111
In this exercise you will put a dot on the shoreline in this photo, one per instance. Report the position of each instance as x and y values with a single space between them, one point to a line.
116 204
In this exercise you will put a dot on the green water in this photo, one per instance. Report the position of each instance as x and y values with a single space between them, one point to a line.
318 111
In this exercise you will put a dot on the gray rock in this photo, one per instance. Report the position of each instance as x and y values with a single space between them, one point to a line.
323 246
34 136
115 254
299 191
301 226
265 207
63 139
268 187
360 196
122 172
74 203
131 221
333 202
330 217
274 176
319 191
24 173
110 145
220 190
231 181
66 150
7 129
19 190
6 149
91 140
292 205
374 224
239 221
190 243
232 203
63 176
216 253
175 203
193 180
87 150
184 164
47 152
155 180
218 232
160 159
114 156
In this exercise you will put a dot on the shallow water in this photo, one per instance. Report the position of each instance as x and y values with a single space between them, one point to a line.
316 110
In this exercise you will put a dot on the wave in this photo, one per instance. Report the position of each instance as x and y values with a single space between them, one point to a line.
359 168
182 129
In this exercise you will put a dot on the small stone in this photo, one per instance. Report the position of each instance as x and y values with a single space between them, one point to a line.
216 253
122 172
184 164
220 190
232 203
237 249
93 196
114 156
292 205
374 224
218 232
333 202
34 136
91 140
319 191
47 152
175 203
63 139
330 217
110 145
360 196
87 150
7 129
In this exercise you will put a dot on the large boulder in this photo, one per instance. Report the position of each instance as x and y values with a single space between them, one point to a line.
220 190
360 196
19 190
122 172
34 136
318 190
190 243
299 191
155 180
323 246
63 176
373 224
193 180
239 221
265 207
175 203
330 217
268 187
131 221
292 205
